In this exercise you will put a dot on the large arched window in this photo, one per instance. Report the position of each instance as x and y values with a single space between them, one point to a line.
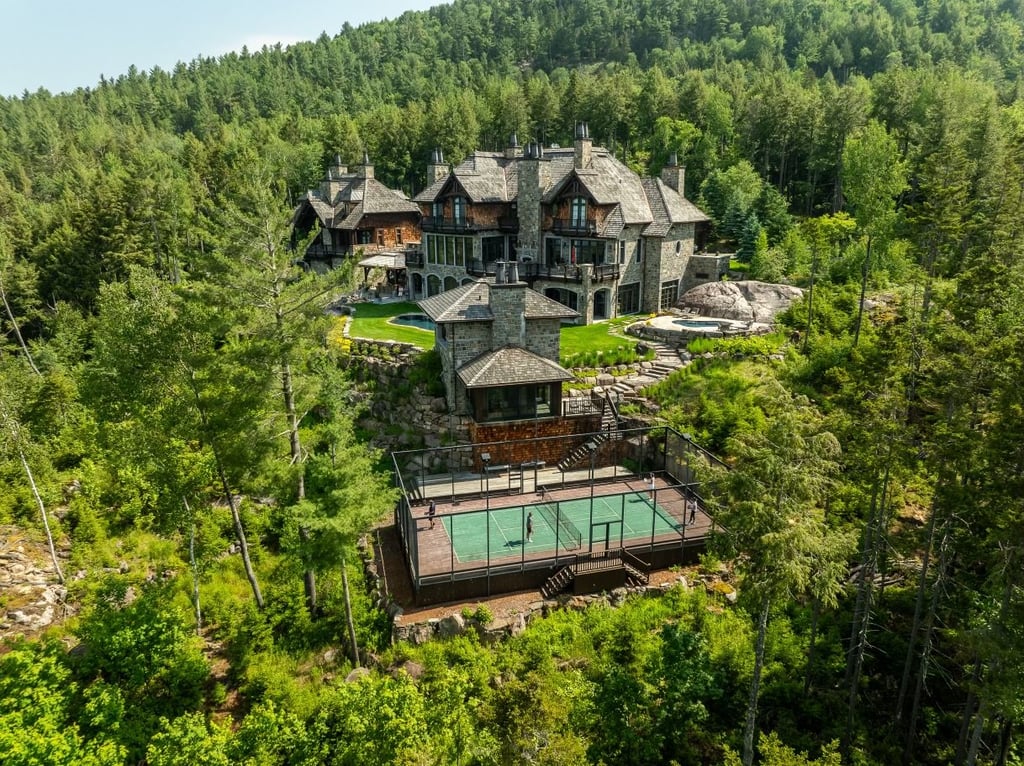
450 283
433 285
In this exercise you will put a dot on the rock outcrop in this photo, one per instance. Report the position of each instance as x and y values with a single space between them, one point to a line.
748 301
32 599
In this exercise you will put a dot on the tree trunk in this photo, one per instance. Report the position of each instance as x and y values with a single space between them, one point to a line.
812 645
810 296
17 331
236 519
863 292
926 650
979 727
861 616
965 721
922 589
42 512
750 728
194 567
350 623
1005 734
295 446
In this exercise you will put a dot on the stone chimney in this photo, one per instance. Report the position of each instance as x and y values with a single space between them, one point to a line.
583 145
674 174
366 171
532 180
508 305
512 150
331 185
437 169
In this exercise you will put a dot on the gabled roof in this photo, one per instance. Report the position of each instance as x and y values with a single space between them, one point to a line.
359 196
668 207
484 176
510 366
608 182
492 177
472 303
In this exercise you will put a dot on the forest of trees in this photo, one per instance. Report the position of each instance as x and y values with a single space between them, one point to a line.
176 425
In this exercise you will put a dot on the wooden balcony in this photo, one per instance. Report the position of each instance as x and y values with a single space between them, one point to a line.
444 225
568 226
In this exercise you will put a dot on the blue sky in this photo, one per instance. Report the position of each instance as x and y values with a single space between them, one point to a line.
61 45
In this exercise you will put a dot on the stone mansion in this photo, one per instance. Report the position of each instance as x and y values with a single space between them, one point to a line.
586 230
583 229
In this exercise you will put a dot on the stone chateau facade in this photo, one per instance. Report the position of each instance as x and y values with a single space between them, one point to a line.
585 230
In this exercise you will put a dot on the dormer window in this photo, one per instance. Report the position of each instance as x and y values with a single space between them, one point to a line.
437 210
459 209
578 214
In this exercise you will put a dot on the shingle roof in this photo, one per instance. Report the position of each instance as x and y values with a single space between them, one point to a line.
491 177
607 180
469 303
472 303
541 307
614 223
360 196
510 365
669 207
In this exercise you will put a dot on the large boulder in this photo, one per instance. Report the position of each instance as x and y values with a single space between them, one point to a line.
747 301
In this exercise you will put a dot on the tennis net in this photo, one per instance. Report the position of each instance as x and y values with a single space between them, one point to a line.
570 536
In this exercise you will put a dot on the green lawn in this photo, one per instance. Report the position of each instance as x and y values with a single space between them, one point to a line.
371 321
583 343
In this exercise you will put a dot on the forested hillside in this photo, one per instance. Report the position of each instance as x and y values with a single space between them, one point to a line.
174 416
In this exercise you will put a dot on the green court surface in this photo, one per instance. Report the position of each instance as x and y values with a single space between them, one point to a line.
569 524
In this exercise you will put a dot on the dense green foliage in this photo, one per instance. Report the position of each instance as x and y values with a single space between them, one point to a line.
168 387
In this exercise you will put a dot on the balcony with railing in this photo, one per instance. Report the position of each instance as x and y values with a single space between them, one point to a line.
318 250
568 272
577 227
447 225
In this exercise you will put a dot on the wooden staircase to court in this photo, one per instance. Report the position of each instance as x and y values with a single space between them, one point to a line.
635 571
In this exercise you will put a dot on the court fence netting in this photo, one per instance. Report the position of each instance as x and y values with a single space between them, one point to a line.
525 474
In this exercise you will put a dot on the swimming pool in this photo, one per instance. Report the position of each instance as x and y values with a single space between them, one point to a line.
698 324
421 321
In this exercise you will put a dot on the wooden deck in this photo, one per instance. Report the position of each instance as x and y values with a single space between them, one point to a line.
436 559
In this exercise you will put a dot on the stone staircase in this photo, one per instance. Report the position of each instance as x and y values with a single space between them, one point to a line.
667 359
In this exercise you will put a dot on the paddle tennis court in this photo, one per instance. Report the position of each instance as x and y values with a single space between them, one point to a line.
581 524
465 509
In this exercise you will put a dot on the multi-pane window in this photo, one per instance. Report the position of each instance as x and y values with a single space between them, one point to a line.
578 212
518 402
629 298
448 250
437 210
459 209
669 294
639 251
565 297
622 252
